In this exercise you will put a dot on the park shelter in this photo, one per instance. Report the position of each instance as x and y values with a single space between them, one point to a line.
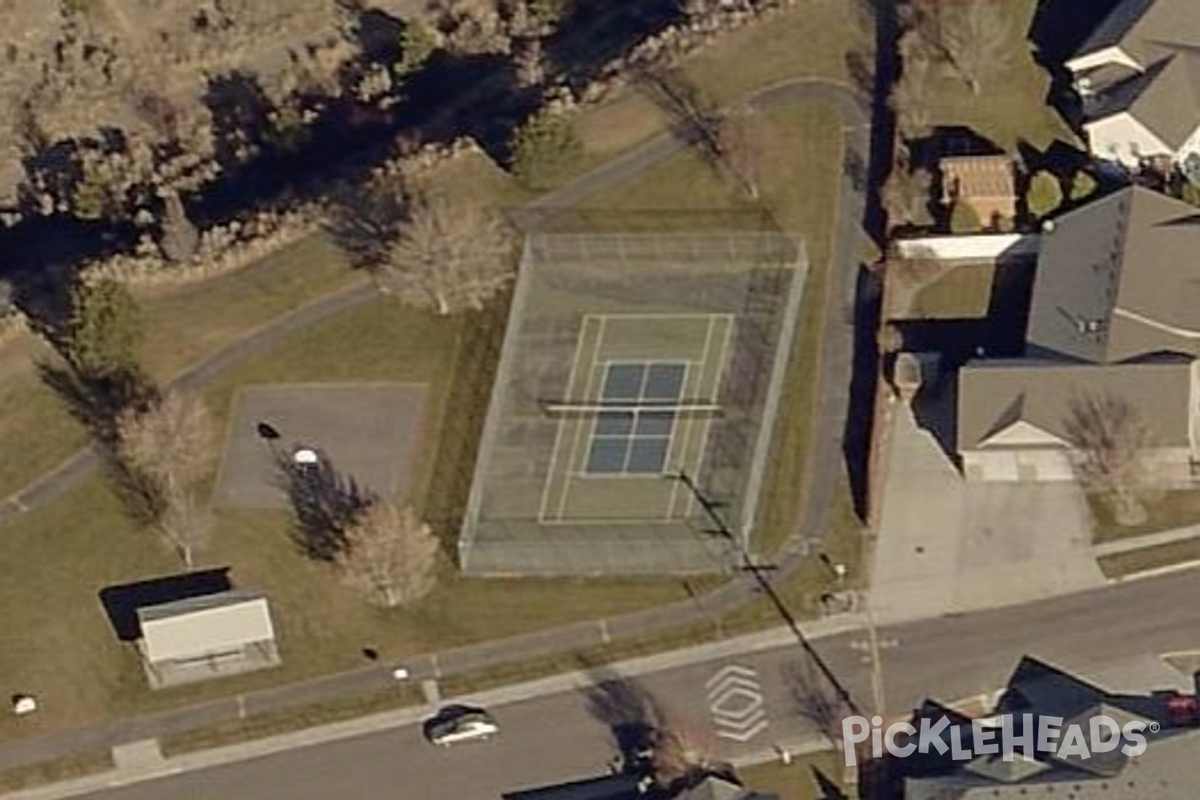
205 637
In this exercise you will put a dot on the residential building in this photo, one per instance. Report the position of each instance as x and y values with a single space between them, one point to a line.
1115 318
1167 770
1138 77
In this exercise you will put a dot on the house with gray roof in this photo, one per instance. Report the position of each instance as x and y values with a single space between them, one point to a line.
1115 317
1138 76
1166 770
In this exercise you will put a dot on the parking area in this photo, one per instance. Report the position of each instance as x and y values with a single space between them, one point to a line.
368 432
947 546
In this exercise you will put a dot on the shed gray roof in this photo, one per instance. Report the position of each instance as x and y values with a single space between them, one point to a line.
1119 279
996 394
200 626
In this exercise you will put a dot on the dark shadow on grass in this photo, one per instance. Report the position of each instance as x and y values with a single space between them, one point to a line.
97 402
860 417
324 503
121 603
828 788
466 403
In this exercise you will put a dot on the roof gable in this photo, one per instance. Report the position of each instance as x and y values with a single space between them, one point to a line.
1022 434
1000 402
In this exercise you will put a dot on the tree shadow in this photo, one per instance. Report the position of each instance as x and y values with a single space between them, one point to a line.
324 503
814 699
629 712
241 115
691 117
364 223
828 787
596 31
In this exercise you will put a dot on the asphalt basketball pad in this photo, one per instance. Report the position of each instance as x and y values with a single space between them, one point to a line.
638 406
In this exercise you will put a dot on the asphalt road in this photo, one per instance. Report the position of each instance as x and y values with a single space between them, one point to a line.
562 737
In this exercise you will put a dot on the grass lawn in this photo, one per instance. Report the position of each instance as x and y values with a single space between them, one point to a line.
77 766
58 642
1011 105
802 195
59 558
275 723
1166 555
962 292
1170 510
809 40
35 432
759 55
189 322
800 780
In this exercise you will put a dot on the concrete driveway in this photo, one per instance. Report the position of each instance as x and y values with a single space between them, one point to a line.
946 546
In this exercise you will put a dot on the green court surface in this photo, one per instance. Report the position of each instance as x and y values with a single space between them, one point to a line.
631 360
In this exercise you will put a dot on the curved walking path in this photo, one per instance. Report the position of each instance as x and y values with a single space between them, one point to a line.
822 473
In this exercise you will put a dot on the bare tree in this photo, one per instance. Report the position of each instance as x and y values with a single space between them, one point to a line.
909 100
743 144
906 195
530 62
969 36
390 555
170 439
680 754
815 700
975 35
168 444
184 523
449 256
1112 440
653 743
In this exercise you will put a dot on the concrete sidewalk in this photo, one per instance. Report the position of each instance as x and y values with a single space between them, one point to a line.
146 767
1132 543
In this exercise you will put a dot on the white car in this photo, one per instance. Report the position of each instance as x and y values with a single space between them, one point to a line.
456 724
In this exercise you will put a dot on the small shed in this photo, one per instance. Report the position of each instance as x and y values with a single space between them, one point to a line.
986 183
209 636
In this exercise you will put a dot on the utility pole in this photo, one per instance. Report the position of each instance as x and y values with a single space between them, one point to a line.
764 584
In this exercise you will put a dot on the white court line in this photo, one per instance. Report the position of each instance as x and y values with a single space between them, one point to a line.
720 375
690 422
587 392
558 435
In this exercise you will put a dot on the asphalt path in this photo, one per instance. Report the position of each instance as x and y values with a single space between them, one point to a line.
560 737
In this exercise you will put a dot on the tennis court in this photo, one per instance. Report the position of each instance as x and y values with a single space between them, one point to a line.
630 360
638 409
